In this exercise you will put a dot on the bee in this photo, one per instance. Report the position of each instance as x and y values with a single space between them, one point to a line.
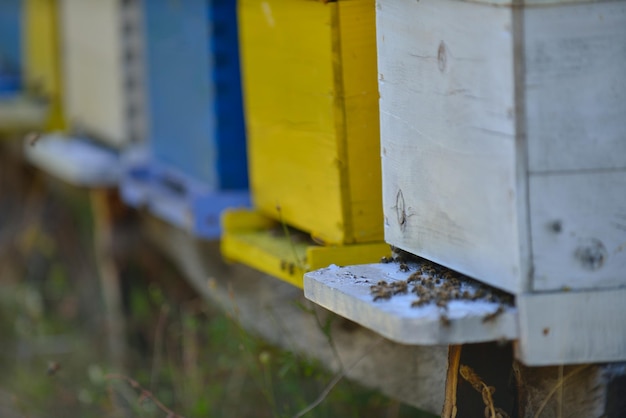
466 295
490 317
53 368
382 283
382 294
414 277
399 287
404 267
437 280
386 260
444 320
418 303
442 303
32 138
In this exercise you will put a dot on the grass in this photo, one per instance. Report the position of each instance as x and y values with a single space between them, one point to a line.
184 354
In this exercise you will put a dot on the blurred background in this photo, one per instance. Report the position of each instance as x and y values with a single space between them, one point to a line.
95 319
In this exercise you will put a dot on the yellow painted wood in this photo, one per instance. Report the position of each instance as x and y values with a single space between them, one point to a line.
310 93
257 241
42 56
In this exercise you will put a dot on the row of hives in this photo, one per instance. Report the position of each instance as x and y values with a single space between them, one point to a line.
500 129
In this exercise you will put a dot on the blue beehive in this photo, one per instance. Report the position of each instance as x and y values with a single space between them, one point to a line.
195 158
10 47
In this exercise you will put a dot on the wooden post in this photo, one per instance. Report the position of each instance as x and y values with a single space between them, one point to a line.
103 217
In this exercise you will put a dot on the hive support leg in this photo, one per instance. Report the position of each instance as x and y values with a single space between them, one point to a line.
486 380
587 390
103 218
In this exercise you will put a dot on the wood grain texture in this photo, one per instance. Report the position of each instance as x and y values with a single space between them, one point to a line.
308 72
357 69
572 327
578 229
346 291
448 136
575 88
43 55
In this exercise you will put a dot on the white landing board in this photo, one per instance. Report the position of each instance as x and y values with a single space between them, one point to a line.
346 291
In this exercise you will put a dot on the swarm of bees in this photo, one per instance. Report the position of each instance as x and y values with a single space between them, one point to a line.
437 285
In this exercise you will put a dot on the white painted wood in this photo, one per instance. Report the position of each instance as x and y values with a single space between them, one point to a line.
346 291
447 104
528 3
74 161
578 229
474 99
95 67
575 86
572 327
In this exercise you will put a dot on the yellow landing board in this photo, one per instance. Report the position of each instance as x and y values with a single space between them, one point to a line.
252 239
311 104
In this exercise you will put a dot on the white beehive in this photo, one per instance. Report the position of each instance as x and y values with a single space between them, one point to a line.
503 130
103 66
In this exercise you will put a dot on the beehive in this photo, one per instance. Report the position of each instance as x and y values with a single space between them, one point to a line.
503 138
196 164
311 107
311 104
102 47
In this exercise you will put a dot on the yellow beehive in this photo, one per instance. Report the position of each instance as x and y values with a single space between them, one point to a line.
311 105
42 56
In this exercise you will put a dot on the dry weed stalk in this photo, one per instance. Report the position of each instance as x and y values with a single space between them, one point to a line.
144 394
487 392
454 360
556 387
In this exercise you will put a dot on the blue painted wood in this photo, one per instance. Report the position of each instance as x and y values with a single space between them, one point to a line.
230 136
175 197
10 46
195 120
194 165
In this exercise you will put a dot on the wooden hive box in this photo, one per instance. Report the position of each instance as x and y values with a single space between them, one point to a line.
503 135
102 69
30 84
503 157
311 107
196 151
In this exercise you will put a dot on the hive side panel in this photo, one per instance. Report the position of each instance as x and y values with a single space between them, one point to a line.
578 228
10 37
289 103
93 70
362 130
447 106
232 164
42 55
575 86
182 124
572 327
